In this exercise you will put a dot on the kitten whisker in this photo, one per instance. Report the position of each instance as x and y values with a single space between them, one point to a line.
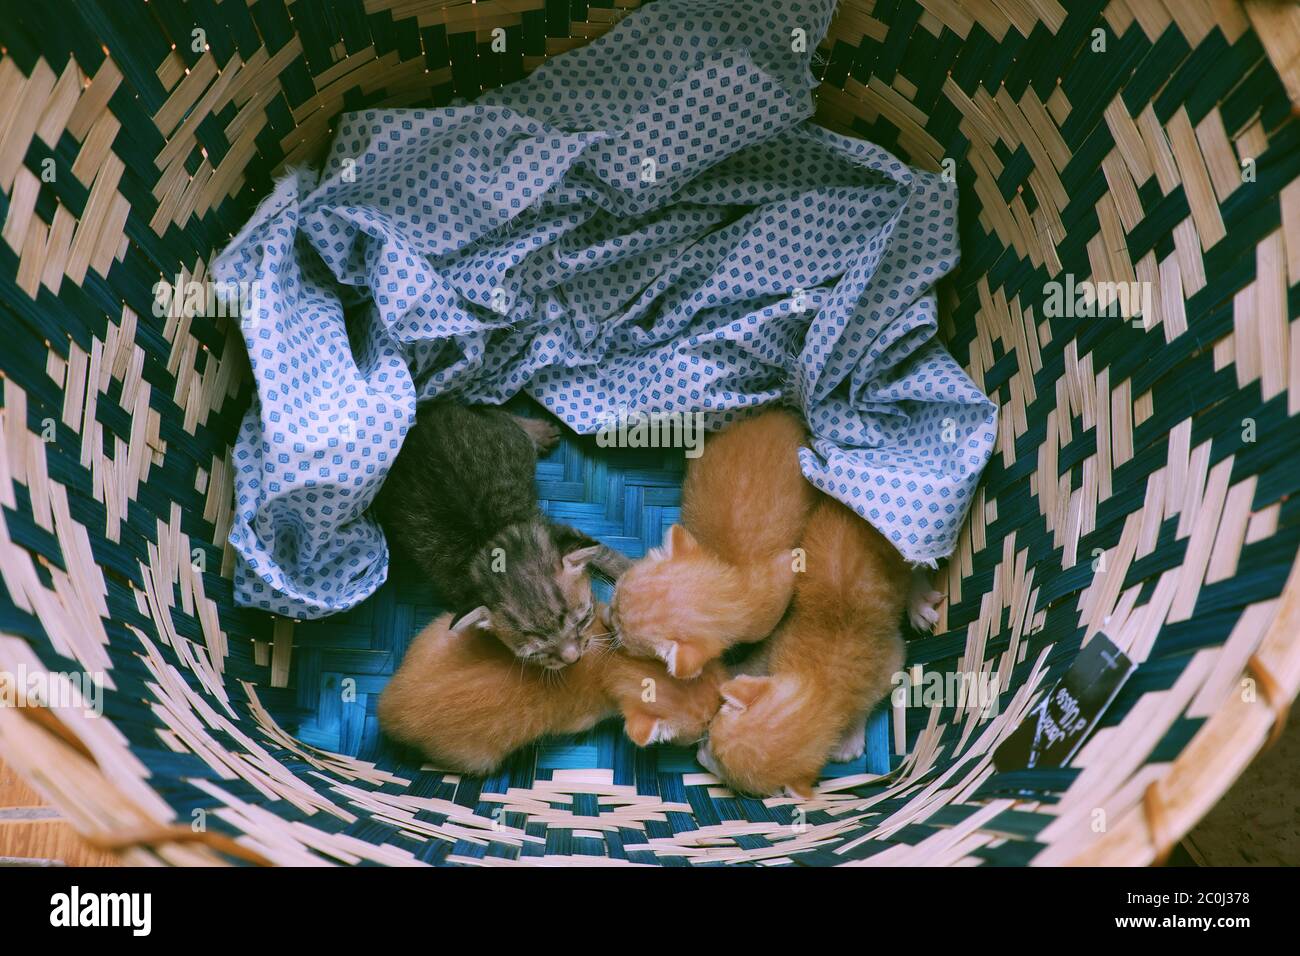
553 678
462 707
487 457
523 669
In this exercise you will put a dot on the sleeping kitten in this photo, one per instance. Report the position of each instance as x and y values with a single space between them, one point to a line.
467 703
460 502
832 659
727 576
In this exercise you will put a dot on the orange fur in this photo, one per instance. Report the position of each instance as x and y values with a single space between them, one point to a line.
727 575
829 663
467 702
657 707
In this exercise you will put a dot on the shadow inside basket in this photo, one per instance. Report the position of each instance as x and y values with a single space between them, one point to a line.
626 498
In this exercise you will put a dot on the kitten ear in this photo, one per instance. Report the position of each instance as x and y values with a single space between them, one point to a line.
679 542
684 660
605 616
582 549
568 538
575 562
643 728
479 619
743 692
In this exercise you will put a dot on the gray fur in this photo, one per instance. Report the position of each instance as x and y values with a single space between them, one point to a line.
459 501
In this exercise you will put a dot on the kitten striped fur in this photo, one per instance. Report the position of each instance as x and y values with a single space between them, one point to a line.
459 501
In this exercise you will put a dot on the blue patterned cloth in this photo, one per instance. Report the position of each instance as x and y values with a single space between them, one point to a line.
647 224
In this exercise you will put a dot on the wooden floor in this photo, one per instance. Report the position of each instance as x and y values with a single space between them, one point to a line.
31 833
1256 824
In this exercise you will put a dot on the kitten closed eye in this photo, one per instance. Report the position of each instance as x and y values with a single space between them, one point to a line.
830 661
460 502
462 698
725 574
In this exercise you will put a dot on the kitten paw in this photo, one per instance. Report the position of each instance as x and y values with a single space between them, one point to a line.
851 747
543 433
704 756
924 612
923 603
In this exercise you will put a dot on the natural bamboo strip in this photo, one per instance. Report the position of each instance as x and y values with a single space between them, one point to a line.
1103 594
1102 412
1233 659
98 209
282 649
1278 28
197 79
22 203
1102 783
20 125
182 140
1220 161
58 108
1217 754
853 21
96 149
94 99
30 263
1201 540
1195 179
1271 315
1290 202
1231 536
1198 463
1121 422
1172 285
1123 192
1083 390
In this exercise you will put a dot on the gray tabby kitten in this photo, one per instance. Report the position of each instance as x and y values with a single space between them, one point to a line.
459 501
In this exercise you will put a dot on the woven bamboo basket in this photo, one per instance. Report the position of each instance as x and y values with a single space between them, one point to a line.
1144 482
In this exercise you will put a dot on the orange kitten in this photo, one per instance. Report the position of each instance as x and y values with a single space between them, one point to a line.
832 659
727 576
467 702
659 708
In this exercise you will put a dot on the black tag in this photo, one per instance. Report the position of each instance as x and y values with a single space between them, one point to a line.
1055 729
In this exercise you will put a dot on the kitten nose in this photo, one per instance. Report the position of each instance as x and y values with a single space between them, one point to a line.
570 653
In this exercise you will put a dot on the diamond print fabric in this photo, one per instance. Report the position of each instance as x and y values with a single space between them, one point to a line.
647 224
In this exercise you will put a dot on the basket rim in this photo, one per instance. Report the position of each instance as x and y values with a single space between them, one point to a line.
1206 769
1184 790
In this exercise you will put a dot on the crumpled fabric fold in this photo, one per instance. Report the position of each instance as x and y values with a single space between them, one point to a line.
649 223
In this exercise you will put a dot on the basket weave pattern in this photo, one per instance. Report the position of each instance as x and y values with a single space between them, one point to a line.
1143 486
